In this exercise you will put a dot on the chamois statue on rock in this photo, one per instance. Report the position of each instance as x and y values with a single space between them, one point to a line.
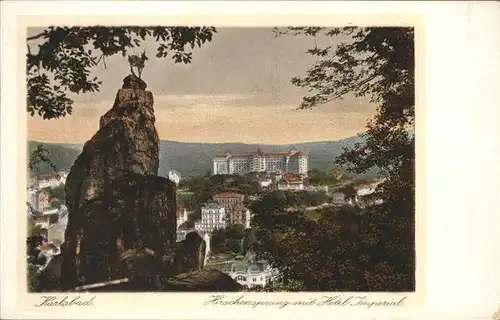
138 62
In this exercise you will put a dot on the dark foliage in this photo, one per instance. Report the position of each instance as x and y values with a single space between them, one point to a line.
49 157
204 188
279 200
68 55
342 251
320 177
235 239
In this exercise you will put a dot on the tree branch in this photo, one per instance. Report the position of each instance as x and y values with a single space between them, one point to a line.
103 58
38 36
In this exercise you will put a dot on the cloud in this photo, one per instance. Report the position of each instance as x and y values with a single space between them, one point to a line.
237 88
215 118
184 101
256 124
255 100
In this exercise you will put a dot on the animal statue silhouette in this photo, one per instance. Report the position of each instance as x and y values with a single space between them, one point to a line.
138 62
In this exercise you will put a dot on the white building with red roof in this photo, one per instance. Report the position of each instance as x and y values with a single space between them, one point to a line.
292 161
42 200
291 181
233 204
52 180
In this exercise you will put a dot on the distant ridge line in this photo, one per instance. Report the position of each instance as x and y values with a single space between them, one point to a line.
194 158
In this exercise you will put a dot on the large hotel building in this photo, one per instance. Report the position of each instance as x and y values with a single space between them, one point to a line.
292 161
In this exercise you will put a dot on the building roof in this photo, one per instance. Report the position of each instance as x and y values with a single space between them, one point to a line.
337 193
40 192
241 155
227 195
260 153
277 154
291 178
254 268
239 266
300 153
212 205
50 211
49 176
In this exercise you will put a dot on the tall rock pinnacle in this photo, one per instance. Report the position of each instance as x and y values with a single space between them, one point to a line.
115 199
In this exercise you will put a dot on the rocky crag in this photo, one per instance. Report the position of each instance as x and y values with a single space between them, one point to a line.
119 209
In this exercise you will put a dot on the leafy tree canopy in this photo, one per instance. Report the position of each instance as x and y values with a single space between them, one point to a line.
376 250
235 231
378 63
320 177
68 54
342 251
279 200
40 155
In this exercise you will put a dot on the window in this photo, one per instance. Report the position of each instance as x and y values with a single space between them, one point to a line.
254 279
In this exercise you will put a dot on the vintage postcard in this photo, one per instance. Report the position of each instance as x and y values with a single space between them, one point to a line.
225 160
178 158
242 162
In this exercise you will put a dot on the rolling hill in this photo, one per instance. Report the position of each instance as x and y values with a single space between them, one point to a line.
62 155
195 158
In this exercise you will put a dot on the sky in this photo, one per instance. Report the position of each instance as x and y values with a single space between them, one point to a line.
237 89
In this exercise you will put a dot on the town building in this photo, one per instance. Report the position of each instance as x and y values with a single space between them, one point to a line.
250 275
42 200
32 198
292 161
52 180
291 181
50 216
213 216
235 210
364 194
44 219
339 199
265 182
